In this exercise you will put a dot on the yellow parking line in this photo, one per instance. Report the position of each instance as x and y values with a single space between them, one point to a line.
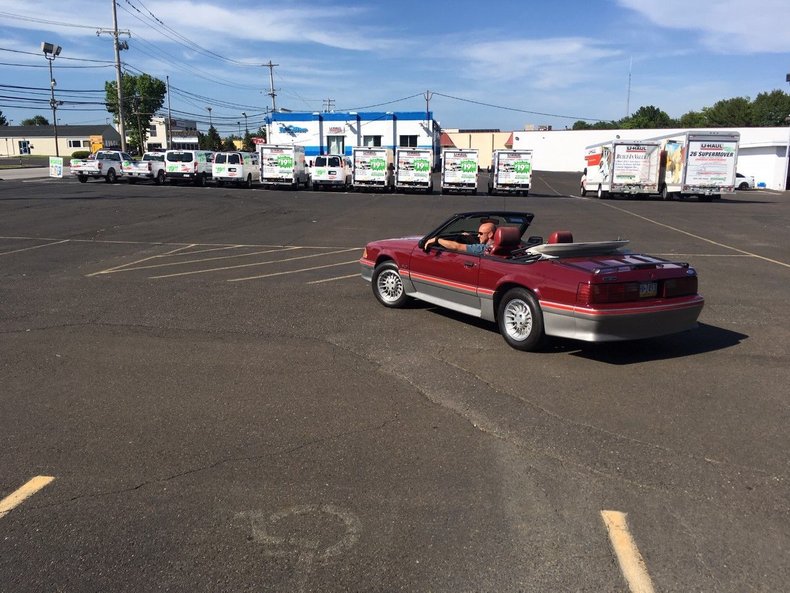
139 261
263 263
343 263
631 562
19 495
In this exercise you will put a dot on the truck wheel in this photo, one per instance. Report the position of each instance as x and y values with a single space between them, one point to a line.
160 177
248 183
582 191
520 319
82 178
200 180
111 176
220 183
600 193
665 195
525 193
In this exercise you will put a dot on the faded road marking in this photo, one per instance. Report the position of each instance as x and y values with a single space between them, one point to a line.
631 562
19 495
34 247
335 278
677 230
342 263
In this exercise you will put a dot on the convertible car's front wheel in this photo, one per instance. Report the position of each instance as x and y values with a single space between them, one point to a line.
388 285
520 319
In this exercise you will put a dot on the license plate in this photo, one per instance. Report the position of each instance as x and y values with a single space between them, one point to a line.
648 289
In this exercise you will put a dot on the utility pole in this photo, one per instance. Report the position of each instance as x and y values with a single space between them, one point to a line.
169 117
329 105
628 98
271 92
118 76
428 96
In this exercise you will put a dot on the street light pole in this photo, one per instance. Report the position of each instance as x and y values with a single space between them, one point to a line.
238 123
50 53
210 125
246 128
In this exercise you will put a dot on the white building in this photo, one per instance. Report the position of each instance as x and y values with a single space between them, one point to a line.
337 133
763 152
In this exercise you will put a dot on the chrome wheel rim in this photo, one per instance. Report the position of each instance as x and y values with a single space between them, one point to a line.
390 286
518 320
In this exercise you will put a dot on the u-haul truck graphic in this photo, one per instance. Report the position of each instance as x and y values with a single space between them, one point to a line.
621 167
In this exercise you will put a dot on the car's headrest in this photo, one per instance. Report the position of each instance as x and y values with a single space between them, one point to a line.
561 237
506 238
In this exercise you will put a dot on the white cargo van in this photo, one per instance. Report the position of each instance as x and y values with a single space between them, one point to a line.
188 165
330 170
283 165
241 168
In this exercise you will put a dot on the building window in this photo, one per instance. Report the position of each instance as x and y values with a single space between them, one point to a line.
408 141
336 144
75 143
86 143
152 132
371 141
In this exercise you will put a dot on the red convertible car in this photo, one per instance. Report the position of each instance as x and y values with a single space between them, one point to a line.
593 291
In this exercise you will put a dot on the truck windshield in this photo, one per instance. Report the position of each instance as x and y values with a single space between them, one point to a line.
154 157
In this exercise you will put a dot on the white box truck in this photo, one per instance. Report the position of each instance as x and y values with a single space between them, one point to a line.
621 167
372 168
511 172
283 165
460 170
413 169
698 163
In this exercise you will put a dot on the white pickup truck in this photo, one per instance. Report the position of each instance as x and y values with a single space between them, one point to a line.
108 164
151 167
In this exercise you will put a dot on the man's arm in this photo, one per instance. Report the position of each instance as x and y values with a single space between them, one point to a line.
446 243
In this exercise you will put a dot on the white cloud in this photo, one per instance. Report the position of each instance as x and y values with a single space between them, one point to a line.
725 26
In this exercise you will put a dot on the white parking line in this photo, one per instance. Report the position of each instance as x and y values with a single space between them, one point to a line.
631 562
34 247
335 278
264 263
139 261
20 494
343 263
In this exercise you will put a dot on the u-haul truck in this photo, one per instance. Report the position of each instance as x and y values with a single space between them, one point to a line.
283 165
459 170
413 169
373 168
622 167
698 163
511 172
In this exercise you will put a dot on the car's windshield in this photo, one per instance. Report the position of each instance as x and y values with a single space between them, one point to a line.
154 157
179 157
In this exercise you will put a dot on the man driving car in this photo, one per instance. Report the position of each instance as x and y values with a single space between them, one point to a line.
485 238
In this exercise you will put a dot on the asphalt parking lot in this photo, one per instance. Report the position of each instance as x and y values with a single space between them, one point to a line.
207 397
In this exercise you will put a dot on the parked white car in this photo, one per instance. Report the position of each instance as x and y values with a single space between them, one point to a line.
744 181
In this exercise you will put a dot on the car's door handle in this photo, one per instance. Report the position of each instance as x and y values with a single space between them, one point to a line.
469 264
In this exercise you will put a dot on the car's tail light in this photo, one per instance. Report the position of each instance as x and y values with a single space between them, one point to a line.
676 287
149 166
195 164
99 165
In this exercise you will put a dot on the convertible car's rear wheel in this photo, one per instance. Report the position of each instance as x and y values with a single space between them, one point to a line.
388 285
520 319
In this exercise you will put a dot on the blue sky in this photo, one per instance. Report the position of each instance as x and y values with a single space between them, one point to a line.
501 64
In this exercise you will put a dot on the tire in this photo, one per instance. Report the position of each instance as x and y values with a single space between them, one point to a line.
388 285
600 193
248 183
82 178
111 176
525 193
665 195
200 180
160 178
520 320
743 186
582 191
220 183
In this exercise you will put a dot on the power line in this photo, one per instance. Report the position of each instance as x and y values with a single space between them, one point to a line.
516 109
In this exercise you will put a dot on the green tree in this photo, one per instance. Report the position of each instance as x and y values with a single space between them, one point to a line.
36 120
227 143
3 120
693 119
771 109
247 144
213 139
735 112
143 96
647 116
